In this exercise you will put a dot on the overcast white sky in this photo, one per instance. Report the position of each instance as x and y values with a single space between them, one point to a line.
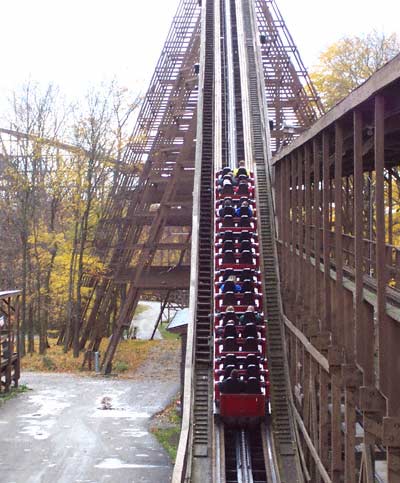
74 43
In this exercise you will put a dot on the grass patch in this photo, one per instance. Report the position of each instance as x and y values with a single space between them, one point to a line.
120 366
166 428
141 308
165 333
129 356
14 391
169 439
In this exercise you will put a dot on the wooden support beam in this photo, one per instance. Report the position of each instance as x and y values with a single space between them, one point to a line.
371 400
337 332
309 347
314 453
157 277
326 319
317 226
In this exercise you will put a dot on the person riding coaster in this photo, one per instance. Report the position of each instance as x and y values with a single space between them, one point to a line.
241 170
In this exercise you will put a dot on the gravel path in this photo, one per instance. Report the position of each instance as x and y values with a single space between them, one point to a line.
59 431
146 321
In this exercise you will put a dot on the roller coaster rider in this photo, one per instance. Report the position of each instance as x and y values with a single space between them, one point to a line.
244 210
241 170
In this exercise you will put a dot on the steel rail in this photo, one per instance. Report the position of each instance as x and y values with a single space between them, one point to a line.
182 467
270 457
218 97
284 432
245 455
232 154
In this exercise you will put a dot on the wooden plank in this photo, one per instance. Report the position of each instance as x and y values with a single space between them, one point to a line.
317 356
324 474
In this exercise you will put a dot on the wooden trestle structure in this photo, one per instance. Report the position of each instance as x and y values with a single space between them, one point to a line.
144 235
9 339
337 202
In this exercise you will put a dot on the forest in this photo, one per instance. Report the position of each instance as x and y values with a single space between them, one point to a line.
54 181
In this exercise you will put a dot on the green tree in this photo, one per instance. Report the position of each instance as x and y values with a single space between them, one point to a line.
349 62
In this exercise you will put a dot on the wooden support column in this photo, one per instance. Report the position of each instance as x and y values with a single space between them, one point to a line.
364 325
315 475
292 178
390 206
297 212
358 219
301 228
306 389
282 218
159 318
326 325
349 383
385 364
326 300
308 220
337 332
286 224
338 319
308 223
279 198
350 435
389 331
336 426
323 417
317 232
349 369
301 290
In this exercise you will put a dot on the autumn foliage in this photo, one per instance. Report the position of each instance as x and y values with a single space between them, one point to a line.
51 199
349 62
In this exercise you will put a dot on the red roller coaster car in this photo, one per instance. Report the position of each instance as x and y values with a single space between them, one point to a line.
241 379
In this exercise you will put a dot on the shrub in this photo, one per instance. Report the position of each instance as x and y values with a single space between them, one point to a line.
120 366
48 363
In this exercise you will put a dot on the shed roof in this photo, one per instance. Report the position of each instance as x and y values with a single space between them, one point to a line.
179 322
